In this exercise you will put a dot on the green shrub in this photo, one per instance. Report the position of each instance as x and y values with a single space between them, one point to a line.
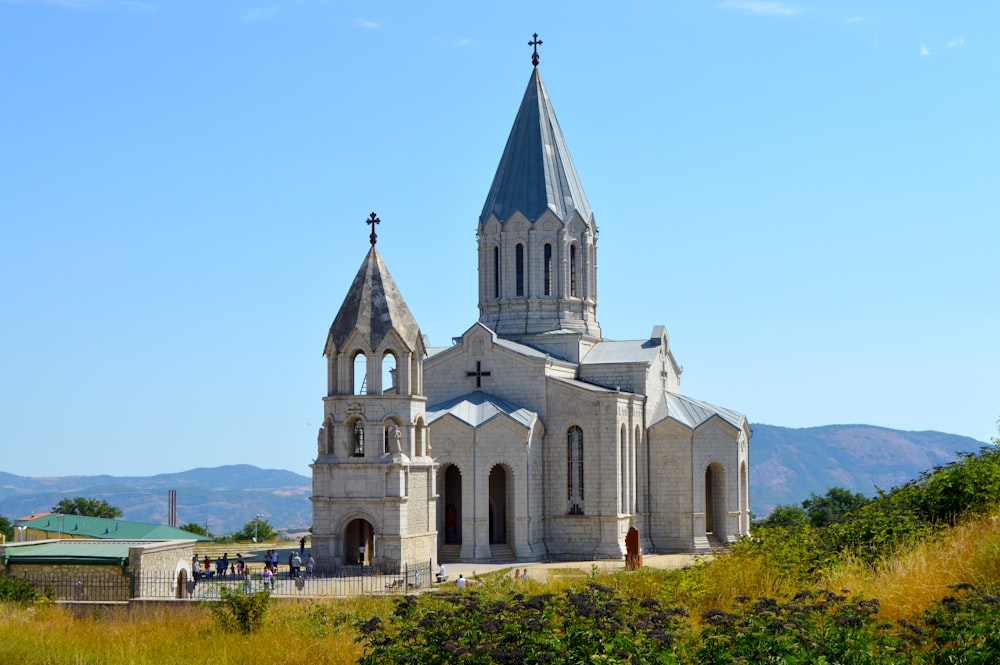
239 611
964 629
14 590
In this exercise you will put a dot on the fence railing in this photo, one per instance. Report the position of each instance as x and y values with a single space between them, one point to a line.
346 581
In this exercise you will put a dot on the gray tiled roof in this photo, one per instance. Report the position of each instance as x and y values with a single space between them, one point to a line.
536 172
476 408
374 306
628 351
693 412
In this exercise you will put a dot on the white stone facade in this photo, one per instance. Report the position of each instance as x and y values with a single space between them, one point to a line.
531 437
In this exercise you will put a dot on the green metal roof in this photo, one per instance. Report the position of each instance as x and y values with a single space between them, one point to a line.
100 527
93 552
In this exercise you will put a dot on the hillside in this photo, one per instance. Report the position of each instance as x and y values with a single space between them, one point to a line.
787 465
225 497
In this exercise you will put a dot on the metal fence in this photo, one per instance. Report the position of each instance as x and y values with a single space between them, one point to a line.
346 581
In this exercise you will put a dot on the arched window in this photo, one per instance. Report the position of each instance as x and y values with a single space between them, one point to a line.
519 268
547 269
572 271
359 438
624 470
360 374
390 432
389 374
574 477
496 271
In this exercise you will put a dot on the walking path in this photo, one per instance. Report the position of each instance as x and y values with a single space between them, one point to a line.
541 571
253 553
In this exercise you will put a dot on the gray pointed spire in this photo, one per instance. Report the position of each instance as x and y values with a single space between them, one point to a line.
373 307
536 172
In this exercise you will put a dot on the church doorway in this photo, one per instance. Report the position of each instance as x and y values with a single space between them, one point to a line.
359 543
181 583
452 505
498 505
715 500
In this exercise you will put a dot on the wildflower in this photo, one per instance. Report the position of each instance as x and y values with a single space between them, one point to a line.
370 626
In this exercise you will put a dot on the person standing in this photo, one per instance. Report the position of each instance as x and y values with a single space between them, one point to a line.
302 546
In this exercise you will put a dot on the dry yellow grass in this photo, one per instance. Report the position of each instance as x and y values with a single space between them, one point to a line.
909 581
294 632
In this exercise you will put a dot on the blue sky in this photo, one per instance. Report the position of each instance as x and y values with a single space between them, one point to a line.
805 194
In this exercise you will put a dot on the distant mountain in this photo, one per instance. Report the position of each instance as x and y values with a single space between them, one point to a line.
226 497
787 465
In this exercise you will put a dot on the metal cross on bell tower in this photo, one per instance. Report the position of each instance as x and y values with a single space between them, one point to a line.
535 42
373 220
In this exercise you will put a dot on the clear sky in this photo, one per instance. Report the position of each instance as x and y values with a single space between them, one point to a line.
805 193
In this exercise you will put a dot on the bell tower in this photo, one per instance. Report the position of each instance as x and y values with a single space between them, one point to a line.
537 237
374 495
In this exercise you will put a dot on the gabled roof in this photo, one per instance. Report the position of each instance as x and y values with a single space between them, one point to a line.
583 385
79 526
628 351
693 412
476 408
92 552
374 306
536 172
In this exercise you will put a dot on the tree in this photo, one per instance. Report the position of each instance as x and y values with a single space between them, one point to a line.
789 515
832 506
256 528
87 508
191 527
6 528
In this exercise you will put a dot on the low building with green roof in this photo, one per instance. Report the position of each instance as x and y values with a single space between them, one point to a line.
102 569
59 526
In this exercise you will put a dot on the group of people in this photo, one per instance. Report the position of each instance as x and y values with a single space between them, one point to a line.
294 562
219 568
206 567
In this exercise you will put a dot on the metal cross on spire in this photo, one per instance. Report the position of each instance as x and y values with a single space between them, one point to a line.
535 42
373 220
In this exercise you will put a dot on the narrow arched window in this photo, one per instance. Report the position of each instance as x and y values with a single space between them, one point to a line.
496 271
390 432
574 477
359 438
389 374
547 269
624 471
360 374
572 271
519 268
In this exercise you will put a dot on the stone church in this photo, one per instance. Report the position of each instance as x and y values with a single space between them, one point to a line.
531 437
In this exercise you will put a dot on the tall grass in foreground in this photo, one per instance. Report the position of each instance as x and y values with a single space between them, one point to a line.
295 632
913 578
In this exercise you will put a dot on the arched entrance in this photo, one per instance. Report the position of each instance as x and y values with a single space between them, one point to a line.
498 505
182 579
715 500
359 542
452 505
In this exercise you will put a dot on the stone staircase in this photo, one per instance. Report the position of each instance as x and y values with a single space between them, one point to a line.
501 553
450 553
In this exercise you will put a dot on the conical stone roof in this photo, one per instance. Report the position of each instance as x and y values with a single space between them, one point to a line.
536 172
373 307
